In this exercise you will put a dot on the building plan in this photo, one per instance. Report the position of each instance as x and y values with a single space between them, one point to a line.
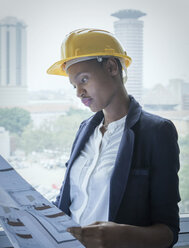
30 220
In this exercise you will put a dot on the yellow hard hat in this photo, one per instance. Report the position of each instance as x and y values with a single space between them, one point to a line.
88 43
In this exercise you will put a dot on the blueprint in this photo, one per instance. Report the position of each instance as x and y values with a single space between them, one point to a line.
29 219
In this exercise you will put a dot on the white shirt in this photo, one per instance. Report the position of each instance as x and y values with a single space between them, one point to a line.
91 172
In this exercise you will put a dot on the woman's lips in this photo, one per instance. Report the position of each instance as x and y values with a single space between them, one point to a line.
86 101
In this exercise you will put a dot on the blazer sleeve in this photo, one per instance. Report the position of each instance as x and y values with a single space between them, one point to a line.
164 192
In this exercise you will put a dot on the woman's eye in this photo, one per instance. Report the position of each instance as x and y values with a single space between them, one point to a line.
84 80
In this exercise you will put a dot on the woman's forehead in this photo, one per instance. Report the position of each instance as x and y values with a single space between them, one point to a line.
84 66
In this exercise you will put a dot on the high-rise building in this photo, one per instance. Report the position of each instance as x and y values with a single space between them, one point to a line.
129 30
13 86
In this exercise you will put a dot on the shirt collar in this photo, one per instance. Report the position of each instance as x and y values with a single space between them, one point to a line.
115 124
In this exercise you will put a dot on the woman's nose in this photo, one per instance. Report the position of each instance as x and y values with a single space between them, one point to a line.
80 91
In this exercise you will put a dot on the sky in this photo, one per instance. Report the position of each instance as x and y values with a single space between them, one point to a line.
166 35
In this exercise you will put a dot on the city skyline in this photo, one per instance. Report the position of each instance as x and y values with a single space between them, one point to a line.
166 50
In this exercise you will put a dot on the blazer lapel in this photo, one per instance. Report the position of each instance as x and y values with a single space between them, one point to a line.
119 179
121 171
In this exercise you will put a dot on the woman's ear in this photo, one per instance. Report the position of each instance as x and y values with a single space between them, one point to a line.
112 67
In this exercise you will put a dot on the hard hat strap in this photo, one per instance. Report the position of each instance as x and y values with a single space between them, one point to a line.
124 70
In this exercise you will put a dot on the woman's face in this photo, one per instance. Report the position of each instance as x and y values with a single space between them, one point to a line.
94 83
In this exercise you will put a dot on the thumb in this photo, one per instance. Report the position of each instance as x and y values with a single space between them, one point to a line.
74 230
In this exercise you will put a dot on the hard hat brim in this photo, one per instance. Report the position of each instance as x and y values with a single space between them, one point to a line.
58 67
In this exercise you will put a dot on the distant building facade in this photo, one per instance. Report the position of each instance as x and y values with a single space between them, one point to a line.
171 102
13 85
159 98
180 90
129 30
174 96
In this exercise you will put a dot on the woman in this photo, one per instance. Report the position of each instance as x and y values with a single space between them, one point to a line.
121 183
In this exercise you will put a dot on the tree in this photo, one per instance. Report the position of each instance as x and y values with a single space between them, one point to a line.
55 135
15 119
65 128
37 139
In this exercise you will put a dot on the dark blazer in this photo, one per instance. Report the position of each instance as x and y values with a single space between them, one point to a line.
144 182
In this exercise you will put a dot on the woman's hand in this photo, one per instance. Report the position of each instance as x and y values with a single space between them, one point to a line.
113 235
98 234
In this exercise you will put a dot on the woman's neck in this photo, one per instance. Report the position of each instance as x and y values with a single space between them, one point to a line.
118 110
